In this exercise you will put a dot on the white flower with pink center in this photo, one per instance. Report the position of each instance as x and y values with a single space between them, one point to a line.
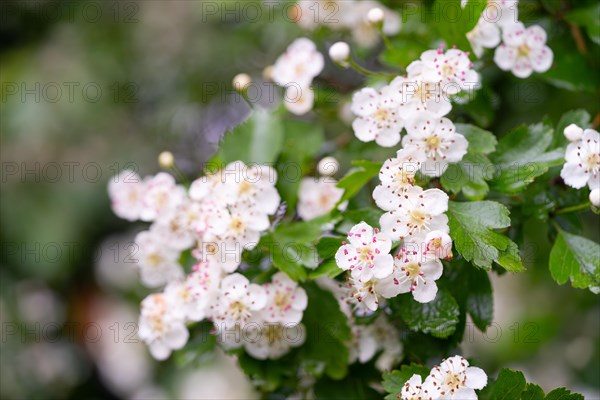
367 253
523 50
377 116
160 328
177 227
397 175
451 68
238 301
126 191
417 275
420 212
162 194
583 161
286 301
453 379
437 141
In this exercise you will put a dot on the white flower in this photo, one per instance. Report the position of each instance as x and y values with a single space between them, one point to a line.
377 116
158 263
523 50
178 227
397 175
438 141
299 64
253 185
366 296
339 53
237 302
365 31
126 191
417 275
379 336
583 161
420 212
272 341
317 197
206 279
162 195
595 197
437 245
418 96
299 99
502 12
375 15
241 225
161 329
485 35
454 379
286 301
452 69
415 389
573 133
186 298
367 253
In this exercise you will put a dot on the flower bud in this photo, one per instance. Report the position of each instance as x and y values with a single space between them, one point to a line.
595 197
328 166
340 53
375 16
166 160
241 81
573 133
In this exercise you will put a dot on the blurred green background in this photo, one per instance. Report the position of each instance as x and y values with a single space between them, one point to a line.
90 88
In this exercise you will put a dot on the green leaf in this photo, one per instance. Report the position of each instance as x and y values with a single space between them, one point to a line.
257 140
289 259
394 381
328 246
480 302
480 140
327 332
453 21
521 157
357 178
509 385
563 394
580 118
575 258
588 18
571 70
532 392
327 268
438 317
472 227
352 217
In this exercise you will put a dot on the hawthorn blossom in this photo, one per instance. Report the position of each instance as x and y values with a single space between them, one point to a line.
417 275
502 12
298 65
415 389
437 245
178 227
453 379
224 252
420 212
365 31
365 296
523 50
573 133
451 68
418 96
485 35
286 301
252 184
299 99
377 116
368 340
317 197
583 161
160 328
161 195
272 341
241 224
186 300
126 191
397 175
367 253
238 300
158 263
438 143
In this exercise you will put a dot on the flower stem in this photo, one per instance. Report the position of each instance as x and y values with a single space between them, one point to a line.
573 208
367 72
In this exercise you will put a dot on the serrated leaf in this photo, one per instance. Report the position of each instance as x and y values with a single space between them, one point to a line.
532 392
480 140
577 259
509 385
394 381
357 178
563 394
472 227
521 157
437 318
327 332
257 140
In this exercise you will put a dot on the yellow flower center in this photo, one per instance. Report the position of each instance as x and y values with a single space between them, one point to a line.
413 270
523 50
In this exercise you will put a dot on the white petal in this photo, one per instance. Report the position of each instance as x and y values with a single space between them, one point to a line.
159 350
364 102
425 292
505 57
432 270
435 201
177 338
257 297
364 129
476 378
384 265
464 393
541 59
574 175
235 286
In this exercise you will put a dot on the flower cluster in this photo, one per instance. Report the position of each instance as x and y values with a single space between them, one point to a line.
295 71
415 101
453 379
318 196
523 50
222 214
582 157
352 15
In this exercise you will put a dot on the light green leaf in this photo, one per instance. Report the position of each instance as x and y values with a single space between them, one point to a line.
509 385
357 178
576 259
454 21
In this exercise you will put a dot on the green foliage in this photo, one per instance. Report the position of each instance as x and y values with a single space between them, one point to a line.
511 385
453 21
394 381
472 227
437 318
588 18
576 259
358 177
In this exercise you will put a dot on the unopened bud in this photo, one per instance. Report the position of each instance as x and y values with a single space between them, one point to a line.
573 133
241 81
375 16
340 53
595 197
166 160
328 166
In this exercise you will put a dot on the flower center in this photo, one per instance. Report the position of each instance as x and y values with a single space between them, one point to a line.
154 259
245 187
381 115
274 334
237 225
413 270
405 178
453 381
418 218
433 142
523 50
365 255
593 163
447 70
237 311
281 300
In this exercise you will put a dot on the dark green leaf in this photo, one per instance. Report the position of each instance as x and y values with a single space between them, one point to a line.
480 302
357 178
394 381
454 21
327 268
437 318
588 18
509 385
532 392
480 140
563 394
580 118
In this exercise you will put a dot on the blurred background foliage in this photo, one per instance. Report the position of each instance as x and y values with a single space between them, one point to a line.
154 75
